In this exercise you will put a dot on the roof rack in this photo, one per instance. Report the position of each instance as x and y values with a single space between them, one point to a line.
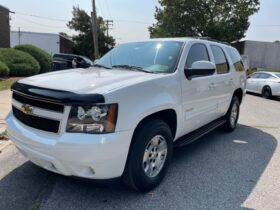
210 39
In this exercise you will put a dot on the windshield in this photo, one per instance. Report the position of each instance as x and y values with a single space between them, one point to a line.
87 60
152 56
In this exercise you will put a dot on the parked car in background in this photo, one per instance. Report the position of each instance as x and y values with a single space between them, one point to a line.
63 61
265 83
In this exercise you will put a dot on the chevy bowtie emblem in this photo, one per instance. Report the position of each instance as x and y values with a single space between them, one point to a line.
26 109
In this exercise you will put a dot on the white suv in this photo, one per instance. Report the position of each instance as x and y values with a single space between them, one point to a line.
123 117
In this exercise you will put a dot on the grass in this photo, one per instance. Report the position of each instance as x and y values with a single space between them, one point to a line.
6 83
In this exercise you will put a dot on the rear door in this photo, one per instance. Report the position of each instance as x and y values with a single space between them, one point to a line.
224 84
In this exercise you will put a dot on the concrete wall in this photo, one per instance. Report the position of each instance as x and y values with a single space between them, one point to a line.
263 54
4 27
45 41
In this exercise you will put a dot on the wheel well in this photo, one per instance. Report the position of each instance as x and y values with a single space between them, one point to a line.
266 86
239 94
169 116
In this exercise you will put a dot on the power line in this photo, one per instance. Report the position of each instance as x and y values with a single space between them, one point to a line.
100 9
41 17
40 24
133 21
265 26
107 6
117 20
65 20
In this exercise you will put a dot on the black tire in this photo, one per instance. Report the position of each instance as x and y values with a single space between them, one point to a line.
134 174
266 92
230 124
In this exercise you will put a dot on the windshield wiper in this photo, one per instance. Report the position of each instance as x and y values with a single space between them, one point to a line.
130 67
101 66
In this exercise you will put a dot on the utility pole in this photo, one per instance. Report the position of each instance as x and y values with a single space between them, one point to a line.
94 30
109 23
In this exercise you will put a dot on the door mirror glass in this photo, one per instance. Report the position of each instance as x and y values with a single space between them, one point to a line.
200 68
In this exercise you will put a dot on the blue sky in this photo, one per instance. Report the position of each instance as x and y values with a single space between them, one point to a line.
131 17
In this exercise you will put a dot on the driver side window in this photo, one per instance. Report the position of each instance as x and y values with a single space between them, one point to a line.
198 52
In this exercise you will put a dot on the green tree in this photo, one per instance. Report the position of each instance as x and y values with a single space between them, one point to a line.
83 41
218 19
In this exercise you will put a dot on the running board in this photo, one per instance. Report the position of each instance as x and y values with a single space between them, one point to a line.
194 135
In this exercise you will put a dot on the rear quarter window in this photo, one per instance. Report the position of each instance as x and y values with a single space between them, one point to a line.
236 59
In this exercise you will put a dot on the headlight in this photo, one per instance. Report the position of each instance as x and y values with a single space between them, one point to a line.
92 119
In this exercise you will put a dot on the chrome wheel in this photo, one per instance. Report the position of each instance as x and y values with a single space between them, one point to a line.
155 156
233 115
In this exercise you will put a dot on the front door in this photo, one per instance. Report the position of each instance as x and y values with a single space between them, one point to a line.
199 102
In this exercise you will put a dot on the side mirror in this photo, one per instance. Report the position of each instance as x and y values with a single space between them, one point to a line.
200 68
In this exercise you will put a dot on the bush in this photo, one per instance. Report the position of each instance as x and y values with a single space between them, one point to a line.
4 70
43 58
19 63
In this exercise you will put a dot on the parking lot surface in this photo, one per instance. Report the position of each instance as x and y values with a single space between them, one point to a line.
239 170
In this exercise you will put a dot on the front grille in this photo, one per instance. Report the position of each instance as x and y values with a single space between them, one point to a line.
37 122
38 103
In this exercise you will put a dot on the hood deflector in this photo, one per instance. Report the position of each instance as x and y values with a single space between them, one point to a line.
57 96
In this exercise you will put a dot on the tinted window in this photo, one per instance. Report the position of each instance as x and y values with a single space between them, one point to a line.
254 76
153 56
220 60
264 76
198 52
236 59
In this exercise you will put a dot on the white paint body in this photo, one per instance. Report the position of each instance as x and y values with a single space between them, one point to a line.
138 94
256 85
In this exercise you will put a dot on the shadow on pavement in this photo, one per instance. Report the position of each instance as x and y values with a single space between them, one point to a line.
217 172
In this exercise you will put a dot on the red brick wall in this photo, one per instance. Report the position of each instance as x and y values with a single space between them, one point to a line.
4 27
66 45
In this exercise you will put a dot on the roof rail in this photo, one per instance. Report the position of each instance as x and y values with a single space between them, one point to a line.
210 39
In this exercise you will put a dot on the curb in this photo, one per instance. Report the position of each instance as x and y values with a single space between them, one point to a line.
5 145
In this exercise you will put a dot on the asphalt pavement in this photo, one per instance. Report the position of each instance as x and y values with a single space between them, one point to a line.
239 170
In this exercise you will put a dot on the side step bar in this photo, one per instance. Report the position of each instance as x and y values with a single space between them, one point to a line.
194 135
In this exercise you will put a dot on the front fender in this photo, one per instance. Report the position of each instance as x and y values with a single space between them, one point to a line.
141 100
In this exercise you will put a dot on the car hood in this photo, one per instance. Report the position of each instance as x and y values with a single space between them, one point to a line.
91 80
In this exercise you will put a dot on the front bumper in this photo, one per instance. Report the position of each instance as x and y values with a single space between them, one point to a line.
101 156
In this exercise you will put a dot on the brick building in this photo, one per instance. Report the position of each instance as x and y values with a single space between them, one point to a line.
4 27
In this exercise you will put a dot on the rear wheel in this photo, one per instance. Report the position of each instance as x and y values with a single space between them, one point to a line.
266 92
232 115
149 156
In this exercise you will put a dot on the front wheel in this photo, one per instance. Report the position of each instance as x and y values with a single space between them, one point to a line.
232 115
149 156
266 92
